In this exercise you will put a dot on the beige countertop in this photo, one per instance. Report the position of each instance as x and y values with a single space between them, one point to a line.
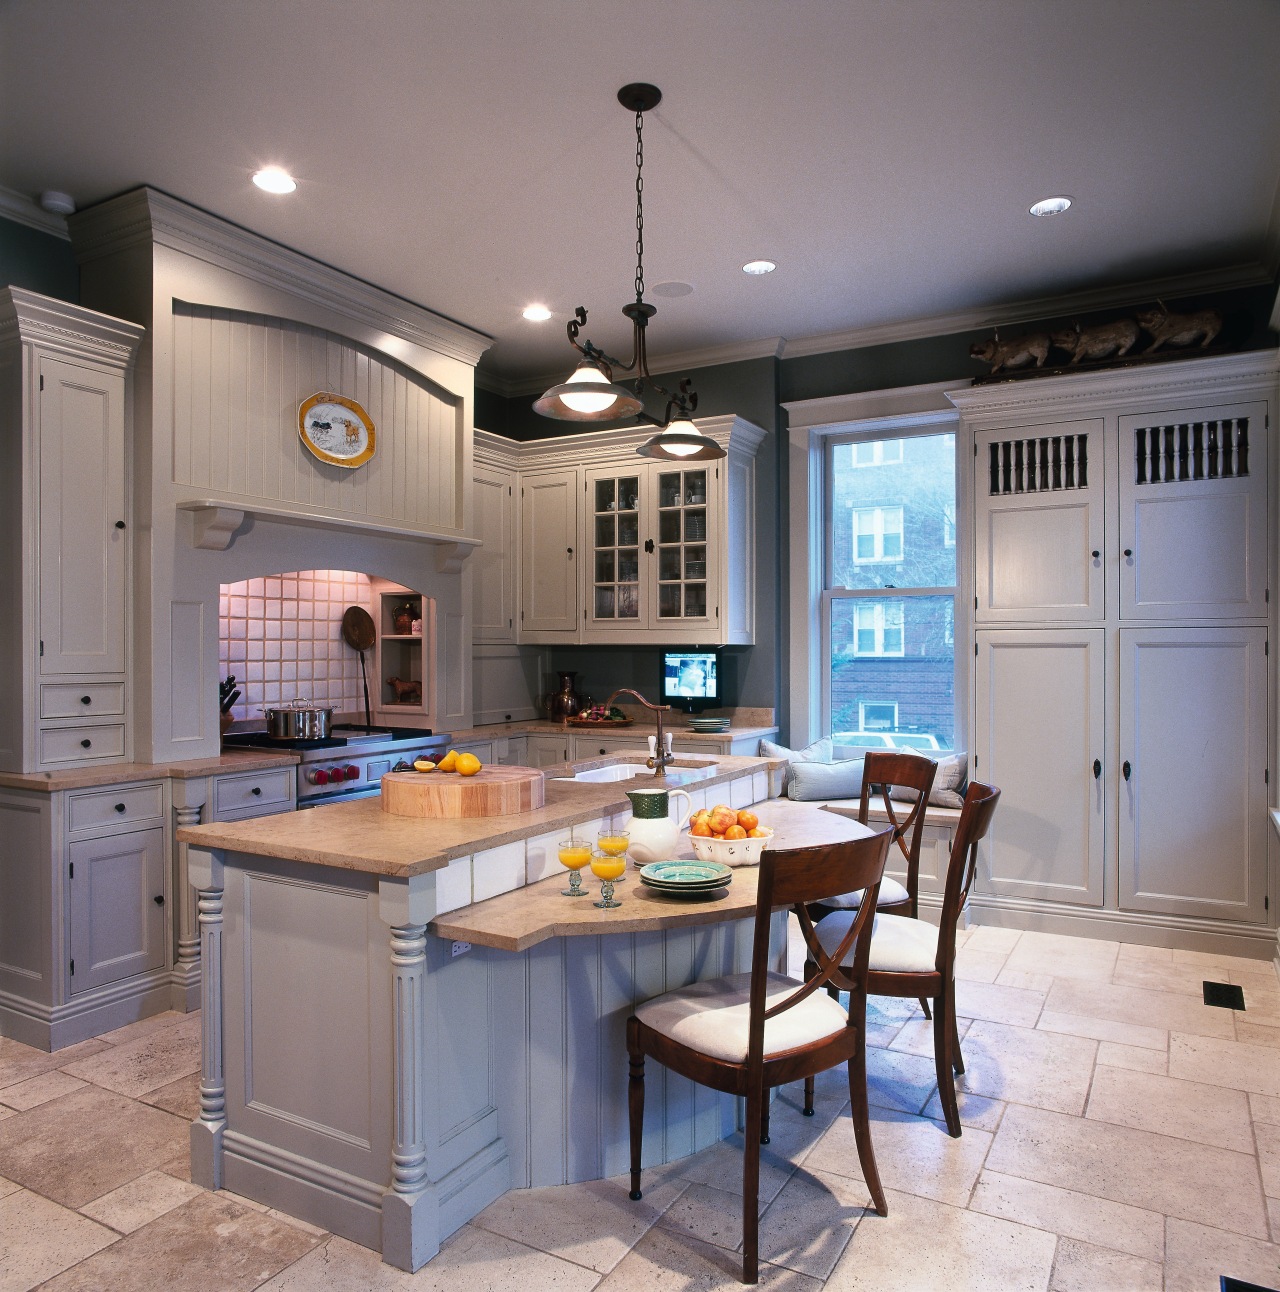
747 723
359 835
75 778
521 919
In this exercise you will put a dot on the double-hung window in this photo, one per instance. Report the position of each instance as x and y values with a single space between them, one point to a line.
890 590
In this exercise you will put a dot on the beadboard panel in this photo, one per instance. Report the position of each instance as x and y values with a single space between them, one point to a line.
237 382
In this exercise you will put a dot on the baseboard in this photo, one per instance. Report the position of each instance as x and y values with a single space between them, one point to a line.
54 1027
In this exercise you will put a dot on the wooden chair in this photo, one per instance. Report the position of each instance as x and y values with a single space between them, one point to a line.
911 958
750 1032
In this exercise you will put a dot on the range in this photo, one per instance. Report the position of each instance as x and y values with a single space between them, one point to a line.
350 762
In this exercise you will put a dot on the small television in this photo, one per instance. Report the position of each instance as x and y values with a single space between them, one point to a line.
691 680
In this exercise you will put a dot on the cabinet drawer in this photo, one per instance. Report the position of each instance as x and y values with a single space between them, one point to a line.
116 805
268 791
81 744
87 700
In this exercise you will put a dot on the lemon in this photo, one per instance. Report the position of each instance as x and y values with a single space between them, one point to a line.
423 765
468 764
449 763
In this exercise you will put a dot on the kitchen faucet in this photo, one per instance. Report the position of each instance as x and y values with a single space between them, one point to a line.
662 754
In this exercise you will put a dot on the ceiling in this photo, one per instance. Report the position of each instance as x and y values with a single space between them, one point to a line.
471 156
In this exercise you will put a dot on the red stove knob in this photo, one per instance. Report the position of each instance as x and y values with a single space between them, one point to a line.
318 777
352 772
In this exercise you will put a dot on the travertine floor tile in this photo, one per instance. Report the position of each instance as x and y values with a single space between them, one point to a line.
1195 1256
994 1003
721 1167
1133 1057
925 1246
39 1090
1136 953
1071 1213
209 1244
898 1080
1155 1172
1273 1210
1186 980
1166 1010
1216 1062
1082 1267
978 966
809 1224
86 1144
1040 982
18 1062
913 1155
917 1036
1063 957
1185 1109
708 1214
139 1202
1268 1138
1265 1108
988 937
1247 1030
7 1186
984 1114
663 1261
552 1219
39 1239
146 1026
1027 1066
153 1060
1104 1029
181 1097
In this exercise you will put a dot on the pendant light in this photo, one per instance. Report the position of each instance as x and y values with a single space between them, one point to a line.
590 393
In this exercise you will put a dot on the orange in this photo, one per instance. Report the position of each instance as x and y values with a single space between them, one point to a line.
735 832
755 833
700 828
748 819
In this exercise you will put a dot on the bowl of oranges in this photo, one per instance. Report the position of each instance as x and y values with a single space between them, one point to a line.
732 836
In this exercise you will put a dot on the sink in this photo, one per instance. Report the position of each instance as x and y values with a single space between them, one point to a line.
615 772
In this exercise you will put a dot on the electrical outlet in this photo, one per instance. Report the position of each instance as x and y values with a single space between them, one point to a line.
460 948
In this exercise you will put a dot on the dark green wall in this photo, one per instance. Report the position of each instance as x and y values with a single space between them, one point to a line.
38 261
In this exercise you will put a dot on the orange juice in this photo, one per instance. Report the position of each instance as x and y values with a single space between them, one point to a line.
613 844
605 866
574 855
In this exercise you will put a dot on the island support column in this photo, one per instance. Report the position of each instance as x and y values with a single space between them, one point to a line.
206 871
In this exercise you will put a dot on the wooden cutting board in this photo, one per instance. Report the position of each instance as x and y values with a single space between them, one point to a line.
492 791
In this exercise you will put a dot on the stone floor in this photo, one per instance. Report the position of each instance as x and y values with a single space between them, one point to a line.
1119 1134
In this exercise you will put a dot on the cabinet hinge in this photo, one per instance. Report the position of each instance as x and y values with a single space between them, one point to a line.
42 381
42 649
1266 903
584 616
73 968
975 760
975 603
1266 775
975 648
71 869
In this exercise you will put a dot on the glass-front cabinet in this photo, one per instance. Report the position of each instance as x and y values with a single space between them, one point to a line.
682 545
614 517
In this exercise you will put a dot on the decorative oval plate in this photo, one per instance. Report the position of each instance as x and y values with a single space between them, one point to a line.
336 430
679 873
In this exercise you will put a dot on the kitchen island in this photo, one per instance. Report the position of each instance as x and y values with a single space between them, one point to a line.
403 1019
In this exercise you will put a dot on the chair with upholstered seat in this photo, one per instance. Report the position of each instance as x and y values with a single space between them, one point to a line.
750 1032
915 959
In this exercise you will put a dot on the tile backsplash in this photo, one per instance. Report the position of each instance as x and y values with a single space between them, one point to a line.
282 638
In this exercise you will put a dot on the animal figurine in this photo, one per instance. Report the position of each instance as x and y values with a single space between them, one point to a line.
405 692
1103 340
1179 329
1014 353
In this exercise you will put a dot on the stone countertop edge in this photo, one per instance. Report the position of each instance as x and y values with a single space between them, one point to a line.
641 725
359 836
75 778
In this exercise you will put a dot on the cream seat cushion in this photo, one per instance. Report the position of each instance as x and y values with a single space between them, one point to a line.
898 944
711 1017
891 893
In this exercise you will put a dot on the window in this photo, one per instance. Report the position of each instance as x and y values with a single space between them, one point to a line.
877 534
890 656
877 628
876 453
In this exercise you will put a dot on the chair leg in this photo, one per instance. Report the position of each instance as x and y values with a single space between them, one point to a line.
764 1119
635 1111
862 1129
808 1096
943 1027
924 1005
957 1059
751 1188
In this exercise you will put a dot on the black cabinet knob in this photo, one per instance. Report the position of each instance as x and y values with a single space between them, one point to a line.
569 550
255 791
1128 551
119 524
159 899
86 744
1097 768
86 699
120 807
1096 554
1126 769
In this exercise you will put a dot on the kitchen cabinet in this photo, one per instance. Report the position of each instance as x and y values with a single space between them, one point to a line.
401 688
65 378
592 744
83 927
492 565
1122 620
651 552
547 751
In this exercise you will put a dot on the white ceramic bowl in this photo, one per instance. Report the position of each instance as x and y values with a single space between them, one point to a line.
732 852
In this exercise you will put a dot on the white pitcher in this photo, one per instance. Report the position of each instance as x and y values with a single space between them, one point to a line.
654 834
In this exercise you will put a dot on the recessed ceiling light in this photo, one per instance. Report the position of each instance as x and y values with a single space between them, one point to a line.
673 288
1050 206
536 313
759 267
275 179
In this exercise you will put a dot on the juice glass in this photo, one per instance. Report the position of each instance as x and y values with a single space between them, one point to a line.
614 843
607 867
574 854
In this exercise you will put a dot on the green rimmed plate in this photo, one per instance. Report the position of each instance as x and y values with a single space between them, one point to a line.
685 874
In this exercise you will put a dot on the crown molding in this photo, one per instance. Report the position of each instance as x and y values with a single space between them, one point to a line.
71 330
1031 311
904 405
19 208
147 217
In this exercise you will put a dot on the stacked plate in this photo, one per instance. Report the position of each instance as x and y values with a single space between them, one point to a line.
689 880
709 725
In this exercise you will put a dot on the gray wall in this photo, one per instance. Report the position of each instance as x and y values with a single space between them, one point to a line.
38 261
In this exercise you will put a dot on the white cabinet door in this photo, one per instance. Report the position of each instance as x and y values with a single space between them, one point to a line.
546 751
116 885
1193 514
618 579
548 561
493 566
1039 736
1040 524
82 535
1193 745
592 745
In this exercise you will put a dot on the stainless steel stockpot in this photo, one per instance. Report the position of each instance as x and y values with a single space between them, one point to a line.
298 720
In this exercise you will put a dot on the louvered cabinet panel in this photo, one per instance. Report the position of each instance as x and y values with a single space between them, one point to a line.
1040 523
1193 514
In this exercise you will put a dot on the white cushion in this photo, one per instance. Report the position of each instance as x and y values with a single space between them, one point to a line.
711 1017
891 892
898 944
821 751
948 780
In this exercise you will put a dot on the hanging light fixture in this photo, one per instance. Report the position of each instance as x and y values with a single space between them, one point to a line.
590 393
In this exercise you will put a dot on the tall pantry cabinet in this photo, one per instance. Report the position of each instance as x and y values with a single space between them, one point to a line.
1122 614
